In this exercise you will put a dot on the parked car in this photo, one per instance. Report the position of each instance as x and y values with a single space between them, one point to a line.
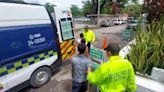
105 24
117 22
133 23
130 18
111 23
82 19
85 19
124 21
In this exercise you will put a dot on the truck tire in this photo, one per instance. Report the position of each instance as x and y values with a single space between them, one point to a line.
40 77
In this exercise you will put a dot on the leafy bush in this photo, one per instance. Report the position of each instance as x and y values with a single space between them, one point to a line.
148 52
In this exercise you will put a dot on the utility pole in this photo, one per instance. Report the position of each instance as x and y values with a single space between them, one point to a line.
98 13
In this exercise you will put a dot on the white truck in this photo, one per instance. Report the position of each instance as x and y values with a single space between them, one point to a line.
33 44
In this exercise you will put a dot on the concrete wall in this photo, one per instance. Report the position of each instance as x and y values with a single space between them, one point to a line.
158 74
148 85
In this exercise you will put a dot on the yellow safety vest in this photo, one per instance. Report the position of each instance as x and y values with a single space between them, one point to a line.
116 75
89 36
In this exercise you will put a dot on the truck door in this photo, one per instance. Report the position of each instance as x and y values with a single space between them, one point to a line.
67 45
64 23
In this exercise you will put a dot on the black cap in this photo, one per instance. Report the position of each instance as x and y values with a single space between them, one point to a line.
86 27
113 48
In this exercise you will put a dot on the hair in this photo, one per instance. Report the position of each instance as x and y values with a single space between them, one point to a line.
81 48
81 35
86 27
113 48
83 41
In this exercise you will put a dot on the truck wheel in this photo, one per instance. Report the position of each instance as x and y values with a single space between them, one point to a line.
40 77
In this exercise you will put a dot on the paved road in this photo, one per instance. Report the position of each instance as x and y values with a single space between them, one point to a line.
61 82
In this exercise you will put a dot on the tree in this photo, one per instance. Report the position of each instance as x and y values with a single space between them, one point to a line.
106 10
104 4
154 9
87 7
134 9
76 11
50 7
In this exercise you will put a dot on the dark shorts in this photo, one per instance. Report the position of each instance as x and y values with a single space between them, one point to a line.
79 87
89 46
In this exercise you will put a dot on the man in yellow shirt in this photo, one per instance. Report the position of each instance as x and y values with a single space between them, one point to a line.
89 36
116 75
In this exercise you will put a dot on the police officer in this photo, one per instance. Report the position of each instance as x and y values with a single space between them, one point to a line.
89 36
116 75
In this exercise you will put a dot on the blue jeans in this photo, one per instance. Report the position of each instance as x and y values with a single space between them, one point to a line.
79 87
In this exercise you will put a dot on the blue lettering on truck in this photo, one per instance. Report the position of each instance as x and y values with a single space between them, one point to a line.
18 42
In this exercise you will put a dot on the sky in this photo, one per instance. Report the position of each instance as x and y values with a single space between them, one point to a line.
61 3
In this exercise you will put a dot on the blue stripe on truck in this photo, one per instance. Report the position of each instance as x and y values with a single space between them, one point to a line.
24 41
